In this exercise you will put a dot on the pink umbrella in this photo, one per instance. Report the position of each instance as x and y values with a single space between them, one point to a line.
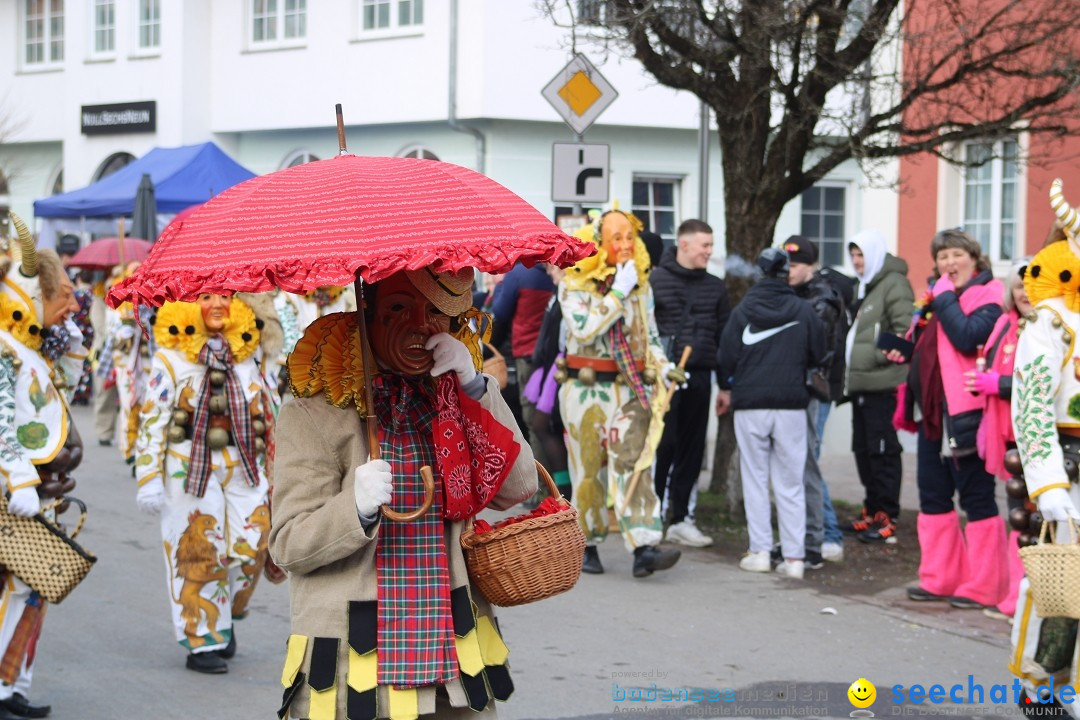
105 253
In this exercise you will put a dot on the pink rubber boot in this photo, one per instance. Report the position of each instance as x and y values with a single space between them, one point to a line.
943 565
987 581
1016 574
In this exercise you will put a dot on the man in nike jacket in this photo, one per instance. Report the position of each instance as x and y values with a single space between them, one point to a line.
771 339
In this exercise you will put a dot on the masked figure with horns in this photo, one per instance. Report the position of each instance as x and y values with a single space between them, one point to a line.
1046 421
200 462
612 367
384 620
41 357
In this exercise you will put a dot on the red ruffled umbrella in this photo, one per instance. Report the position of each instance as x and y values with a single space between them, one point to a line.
326 222
105 253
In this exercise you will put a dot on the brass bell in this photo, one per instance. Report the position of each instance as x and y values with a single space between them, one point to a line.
1066 337
560 362
1070 469
180 417
1056 322
217 438
1025 539
1032 316
649 375
586 376
217 378
260 445
1016 488
219 405
16 363
1019 518
258 426
1013 464
1022 323
176 434
1035 525
561 376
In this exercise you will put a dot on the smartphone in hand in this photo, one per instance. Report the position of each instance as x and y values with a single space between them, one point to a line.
888 341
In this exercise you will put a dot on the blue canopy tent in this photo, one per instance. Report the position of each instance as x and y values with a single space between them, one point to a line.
182 177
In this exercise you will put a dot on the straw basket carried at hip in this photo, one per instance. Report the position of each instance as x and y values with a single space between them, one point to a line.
41 554
528 560
1054 573
495 366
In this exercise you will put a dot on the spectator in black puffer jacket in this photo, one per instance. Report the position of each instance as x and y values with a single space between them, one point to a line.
691 310
824 540
765 350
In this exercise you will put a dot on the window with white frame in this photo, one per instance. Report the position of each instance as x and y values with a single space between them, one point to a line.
103 23
391 15
823 216
43 32
298 157
278 21
655 200
149 24
990 197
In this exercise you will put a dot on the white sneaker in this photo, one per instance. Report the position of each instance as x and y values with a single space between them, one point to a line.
685 533
791 568
832 551
756 562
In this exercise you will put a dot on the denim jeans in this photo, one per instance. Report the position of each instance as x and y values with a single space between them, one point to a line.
832 527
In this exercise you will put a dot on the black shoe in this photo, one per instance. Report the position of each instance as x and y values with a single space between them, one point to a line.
650 558
230 649
919 595
20 707
963 603
883 530
207 662
1033 708
591 564
813 560
104 442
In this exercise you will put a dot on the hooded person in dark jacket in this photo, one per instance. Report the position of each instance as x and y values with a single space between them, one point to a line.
691 311
771 340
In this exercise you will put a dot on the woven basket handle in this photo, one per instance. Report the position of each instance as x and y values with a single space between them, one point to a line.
52 504
1046 532
545 476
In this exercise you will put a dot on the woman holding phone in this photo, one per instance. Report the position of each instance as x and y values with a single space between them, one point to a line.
965 568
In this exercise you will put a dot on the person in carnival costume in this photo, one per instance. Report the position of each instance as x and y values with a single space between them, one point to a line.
384 620
1046 422
41 360
200 459
612 365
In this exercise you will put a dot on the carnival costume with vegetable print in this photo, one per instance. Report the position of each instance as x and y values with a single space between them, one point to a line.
39 369
200 461
1046 417
383 612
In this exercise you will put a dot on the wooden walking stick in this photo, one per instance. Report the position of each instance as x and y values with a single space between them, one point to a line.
652 450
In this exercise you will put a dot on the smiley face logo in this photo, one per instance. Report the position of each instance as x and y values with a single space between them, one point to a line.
862 693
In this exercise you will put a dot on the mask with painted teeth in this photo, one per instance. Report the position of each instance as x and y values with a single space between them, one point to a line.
402 323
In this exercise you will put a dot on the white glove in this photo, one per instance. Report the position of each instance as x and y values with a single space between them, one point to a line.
24 502
126 332
674 376
1056 505
449 353
372 487
625 278
151 497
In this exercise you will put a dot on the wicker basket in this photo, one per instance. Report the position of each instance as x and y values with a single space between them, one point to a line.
528 560
1054 573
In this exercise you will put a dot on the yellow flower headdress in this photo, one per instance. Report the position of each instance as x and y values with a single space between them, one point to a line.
16 319
179 326
589 272
1055 270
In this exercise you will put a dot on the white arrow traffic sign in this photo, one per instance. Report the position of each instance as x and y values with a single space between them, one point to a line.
579 173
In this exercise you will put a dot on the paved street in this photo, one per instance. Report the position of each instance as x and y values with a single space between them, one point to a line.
108 650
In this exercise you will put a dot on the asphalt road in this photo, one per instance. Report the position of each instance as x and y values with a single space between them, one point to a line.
762 642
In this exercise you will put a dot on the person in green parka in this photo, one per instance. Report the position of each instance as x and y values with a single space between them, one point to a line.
883 304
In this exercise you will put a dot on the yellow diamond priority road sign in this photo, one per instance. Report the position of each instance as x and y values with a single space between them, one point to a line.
579 93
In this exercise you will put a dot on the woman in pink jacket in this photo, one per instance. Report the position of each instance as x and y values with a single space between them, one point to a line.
995 386
965 568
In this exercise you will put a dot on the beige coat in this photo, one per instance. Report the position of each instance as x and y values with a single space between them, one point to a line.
317 536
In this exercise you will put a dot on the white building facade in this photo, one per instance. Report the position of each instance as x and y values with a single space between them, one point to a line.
261 77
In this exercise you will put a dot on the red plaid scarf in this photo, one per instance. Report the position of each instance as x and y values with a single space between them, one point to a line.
624 359
243 435
456 436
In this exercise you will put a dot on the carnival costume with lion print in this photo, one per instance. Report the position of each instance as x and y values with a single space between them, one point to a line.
206 527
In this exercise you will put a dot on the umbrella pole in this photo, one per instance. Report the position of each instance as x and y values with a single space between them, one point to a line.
340 130
120 244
